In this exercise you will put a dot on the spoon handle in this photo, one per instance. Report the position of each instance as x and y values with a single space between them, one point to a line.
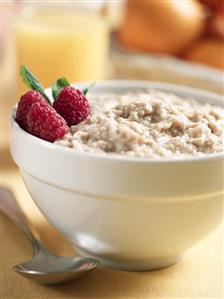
10 208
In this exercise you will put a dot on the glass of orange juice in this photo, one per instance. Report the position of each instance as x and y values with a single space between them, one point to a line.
57 41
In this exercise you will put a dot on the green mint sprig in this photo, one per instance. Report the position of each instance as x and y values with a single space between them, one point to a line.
88 88
58 86
63 82
32 82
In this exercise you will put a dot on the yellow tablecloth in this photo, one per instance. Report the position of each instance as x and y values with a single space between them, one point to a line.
198 275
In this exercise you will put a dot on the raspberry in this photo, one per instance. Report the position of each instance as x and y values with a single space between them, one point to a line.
26 101
72 105
44 122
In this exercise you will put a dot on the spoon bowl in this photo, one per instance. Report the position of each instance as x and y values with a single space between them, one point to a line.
48 269
44 267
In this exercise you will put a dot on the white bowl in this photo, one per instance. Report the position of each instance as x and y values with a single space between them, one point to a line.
131 213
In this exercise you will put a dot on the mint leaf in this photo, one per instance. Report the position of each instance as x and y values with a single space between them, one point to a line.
88 88
58 86
31 81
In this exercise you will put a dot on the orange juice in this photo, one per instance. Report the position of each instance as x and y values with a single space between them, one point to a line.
56 44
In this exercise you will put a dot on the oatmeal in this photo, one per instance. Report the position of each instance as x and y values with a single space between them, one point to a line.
148 124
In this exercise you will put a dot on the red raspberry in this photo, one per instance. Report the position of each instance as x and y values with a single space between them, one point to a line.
72 105
26 101
44 122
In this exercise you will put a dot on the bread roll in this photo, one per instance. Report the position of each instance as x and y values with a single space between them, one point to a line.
208 51
161 26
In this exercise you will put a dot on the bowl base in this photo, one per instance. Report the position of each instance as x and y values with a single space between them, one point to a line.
150 264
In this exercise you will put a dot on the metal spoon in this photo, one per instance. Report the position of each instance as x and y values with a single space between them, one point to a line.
44 267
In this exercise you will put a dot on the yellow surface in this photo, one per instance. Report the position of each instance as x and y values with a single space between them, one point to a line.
198 275
55 45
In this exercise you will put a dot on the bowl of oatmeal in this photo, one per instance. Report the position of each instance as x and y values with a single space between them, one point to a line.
139 181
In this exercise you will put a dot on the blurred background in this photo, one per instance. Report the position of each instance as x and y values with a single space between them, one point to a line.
165 40
180 41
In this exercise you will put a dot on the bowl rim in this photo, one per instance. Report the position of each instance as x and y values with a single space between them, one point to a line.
117 157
